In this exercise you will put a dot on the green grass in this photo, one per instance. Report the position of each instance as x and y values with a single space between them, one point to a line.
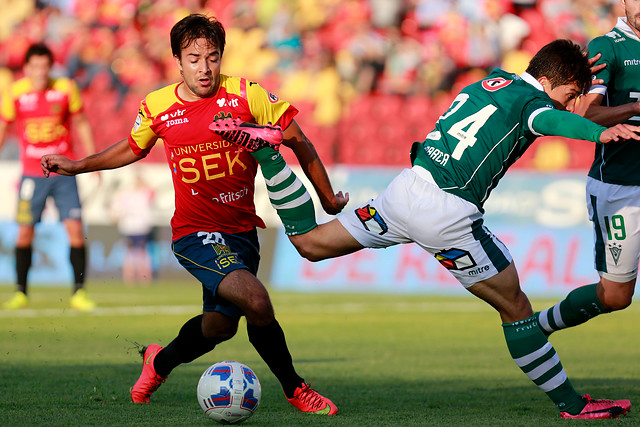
384 360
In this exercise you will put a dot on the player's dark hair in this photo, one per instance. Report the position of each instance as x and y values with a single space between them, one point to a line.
38 49
562 62
197 26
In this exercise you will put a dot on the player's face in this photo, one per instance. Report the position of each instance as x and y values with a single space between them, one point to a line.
199 65
563 96
37 70
632 11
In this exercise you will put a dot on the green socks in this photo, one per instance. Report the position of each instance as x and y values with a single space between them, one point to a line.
287 194
579 306
537 358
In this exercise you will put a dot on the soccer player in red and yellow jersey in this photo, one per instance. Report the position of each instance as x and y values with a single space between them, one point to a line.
44 109
214 224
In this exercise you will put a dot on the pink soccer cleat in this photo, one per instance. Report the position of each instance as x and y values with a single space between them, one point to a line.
249 136
600 408
307 399
149 381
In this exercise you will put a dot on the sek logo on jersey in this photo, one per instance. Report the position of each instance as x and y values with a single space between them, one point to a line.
455 259
494 84
272 98
369 213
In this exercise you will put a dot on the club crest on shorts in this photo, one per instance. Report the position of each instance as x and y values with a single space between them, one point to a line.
455 259
616 250
369 214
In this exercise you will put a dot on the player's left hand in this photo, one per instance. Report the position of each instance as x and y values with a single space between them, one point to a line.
621 131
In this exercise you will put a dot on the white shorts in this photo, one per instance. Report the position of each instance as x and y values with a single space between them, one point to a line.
414 209
614 211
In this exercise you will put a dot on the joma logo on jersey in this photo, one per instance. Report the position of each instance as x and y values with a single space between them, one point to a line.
494 84
370 214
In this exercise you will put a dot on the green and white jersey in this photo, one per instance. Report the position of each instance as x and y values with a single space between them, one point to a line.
486 129
620 49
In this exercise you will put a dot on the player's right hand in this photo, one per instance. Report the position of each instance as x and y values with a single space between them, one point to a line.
58 164
618 132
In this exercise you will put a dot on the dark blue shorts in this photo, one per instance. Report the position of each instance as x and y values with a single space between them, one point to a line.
211 256
33 196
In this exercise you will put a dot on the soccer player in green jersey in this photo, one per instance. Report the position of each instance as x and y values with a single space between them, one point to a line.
613 185
438 203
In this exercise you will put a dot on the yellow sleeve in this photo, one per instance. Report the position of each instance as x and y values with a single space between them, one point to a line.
265 106
7 106
142 137
75 100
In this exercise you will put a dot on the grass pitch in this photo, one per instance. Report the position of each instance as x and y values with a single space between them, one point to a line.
384 360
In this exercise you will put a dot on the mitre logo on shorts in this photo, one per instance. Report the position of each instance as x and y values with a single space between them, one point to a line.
455 259
371 219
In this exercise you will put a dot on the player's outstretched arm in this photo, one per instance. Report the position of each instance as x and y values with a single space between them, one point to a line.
118 155
314 169
618 132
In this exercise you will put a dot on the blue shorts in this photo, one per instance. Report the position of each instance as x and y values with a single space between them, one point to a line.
211 256
33 196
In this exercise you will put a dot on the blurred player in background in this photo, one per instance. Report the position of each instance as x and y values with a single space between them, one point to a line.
214 223
132 209
438 203
613 185
44 109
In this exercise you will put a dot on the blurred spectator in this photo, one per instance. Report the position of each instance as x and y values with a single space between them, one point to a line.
131 208
323 53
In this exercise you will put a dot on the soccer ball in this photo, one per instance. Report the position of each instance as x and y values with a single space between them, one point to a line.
229 392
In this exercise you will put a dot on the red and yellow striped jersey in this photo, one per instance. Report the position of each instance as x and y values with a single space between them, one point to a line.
212 179
42 119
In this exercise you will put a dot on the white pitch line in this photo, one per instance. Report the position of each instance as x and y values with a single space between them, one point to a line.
407 307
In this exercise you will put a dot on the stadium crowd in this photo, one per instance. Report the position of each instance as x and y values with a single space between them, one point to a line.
358 70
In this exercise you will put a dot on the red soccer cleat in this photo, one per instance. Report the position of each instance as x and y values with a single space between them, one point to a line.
600 408
307 399
149 381
249 136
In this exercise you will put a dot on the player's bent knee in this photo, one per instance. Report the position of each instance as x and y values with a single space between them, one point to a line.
259 310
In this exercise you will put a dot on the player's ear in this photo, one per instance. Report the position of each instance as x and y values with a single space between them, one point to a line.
178 62
546 84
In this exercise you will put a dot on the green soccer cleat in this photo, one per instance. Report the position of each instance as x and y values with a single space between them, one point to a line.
308 400
81 302
18 300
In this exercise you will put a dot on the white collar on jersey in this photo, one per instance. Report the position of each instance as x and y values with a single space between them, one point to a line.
532 81
626 29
